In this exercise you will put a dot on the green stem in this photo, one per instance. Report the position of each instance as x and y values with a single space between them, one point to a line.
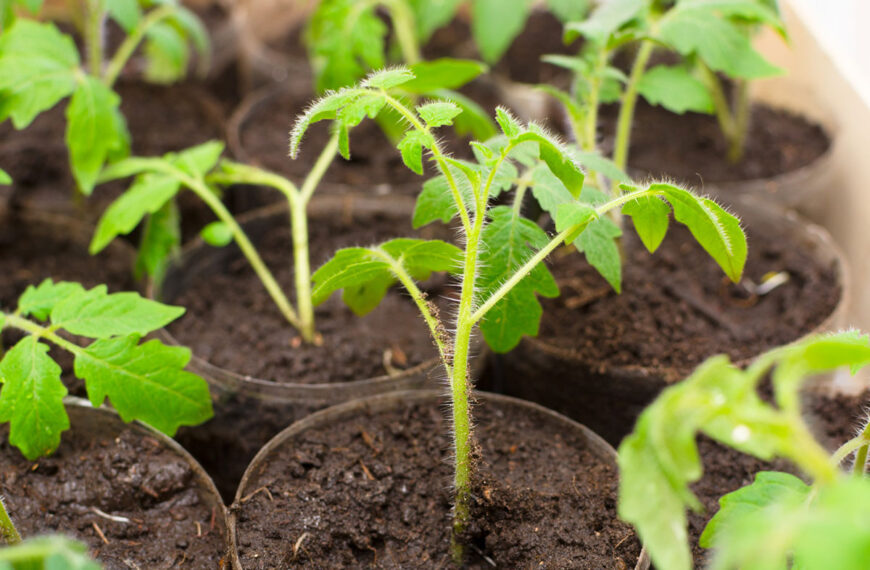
7 528
327 155
94 36
741 122
132 41
861 460
726 120
591 124
406 30
629 100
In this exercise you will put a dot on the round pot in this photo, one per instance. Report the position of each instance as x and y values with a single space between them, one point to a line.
250 410
608 398
390 449
160 118
134 495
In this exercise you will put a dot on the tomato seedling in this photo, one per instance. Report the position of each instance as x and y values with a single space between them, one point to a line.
778 521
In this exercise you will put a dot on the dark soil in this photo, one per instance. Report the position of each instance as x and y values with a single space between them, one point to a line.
230 314
375 493
677 307
119 473
691 149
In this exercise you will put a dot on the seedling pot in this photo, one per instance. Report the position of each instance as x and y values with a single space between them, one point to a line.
250 410
151 513
262 483
608 398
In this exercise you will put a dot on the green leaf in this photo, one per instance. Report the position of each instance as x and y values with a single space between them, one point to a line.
38 68
509 241
557 158
125 12
569 10
429 15
365 274
199 160
196 32
48 553
598 243
717 231
438 113
675 89
495 24
161 238
388 78
510 126
592 160
147 195
651 217
217 234
473 120
607 18
166 53
95 314
39 301
96 131
573 214
697 29
144 382
755 11
548 190
443 73
5 179
32 398
436 201
411 147
769 488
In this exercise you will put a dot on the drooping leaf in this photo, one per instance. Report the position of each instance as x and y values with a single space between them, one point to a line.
96 314
32 398
675 89
38 67
598 243
96 131
411 147
495 24
557 158
39 301
509 241
651 217
147 195
145 382
442 73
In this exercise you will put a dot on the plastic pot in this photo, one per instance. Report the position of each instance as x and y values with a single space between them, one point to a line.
255 482
145 499
609 398
249 410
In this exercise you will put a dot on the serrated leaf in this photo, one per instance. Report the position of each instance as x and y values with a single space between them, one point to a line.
411 147
436 201
675 89
38 68
95 132
698 29
495 24
388 78
217 234
548 190
166 53
125 12
510 126
39 301
96 314
161 238
438 113
324 108
32 398
509 241
197 161
598 243
606 19
147 195
573 215
47 553
473 120
443 73
144 382
651 217
557 158
717 231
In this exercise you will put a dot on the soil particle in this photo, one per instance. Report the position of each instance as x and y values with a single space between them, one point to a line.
160 518
375 493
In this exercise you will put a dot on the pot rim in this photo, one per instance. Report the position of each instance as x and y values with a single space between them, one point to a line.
382 402
824 246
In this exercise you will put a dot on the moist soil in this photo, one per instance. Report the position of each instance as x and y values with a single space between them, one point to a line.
233 323
120 474
690 148
375 493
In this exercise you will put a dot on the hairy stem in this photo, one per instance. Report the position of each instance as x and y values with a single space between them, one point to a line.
8 531
94 20
629 100
132 41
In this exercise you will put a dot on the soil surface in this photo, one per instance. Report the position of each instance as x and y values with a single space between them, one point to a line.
233 323
678 308
691 149
375 493
166 522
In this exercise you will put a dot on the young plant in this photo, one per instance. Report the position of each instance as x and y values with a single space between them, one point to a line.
56 552
712 37
41 66
778 521
144 381
501 270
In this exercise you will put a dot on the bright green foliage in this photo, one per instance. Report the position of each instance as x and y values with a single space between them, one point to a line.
442 73
217 234
365 274
675 89
32 398
8 9
430 15
5 179
650 218
145 382
48 553
659 460
606 20
508 242
126 13
495 23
